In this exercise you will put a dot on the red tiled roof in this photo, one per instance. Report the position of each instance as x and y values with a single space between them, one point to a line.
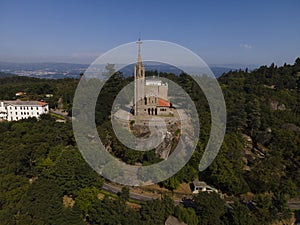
42 103
162 102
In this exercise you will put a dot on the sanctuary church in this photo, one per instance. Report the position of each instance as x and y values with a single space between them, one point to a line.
151 94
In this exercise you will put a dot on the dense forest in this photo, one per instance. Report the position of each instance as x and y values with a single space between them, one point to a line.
44 179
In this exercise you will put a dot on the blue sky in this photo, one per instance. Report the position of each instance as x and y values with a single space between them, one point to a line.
220 32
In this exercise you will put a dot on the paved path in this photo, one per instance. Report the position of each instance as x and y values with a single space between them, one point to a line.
59 113
115 190
294 204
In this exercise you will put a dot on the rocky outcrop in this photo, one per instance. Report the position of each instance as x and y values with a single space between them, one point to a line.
170 138
252 151
275 105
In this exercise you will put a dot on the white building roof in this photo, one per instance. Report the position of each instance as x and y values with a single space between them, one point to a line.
25 103
155 82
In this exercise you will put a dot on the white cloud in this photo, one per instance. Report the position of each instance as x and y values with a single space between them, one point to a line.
246 46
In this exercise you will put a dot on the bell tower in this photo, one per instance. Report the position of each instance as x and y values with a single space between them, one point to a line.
139 81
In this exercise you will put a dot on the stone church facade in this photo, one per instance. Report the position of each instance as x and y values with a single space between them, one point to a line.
150 95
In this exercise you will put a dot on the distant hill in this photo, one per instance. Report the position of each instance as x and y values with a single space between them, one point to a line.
44 70
162 67
4 74
40 66
71 70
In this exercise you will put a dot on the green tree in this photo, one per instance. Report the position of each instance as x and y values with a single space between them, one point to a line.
110 68
209 208
186 215
125 194
253 115
85 199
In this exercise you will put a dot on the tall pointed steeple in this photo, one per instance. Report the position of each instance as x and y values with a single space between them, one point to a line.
139 80
139 61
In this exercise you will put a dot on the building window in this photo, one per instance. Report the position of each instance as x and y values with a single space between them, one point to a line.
16 113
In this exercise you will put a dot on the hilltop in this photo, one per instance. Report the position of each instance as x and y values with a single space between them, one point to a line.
257 169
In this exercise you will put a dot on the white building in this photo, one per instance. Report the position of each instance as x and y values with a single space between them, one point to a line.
200 186
17 110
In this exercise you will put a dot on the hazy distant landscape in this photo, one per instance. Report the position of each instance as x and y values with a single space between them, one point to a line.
73 70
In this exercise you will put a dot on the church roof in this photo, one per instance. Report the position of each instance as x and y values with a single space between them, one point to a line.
163 103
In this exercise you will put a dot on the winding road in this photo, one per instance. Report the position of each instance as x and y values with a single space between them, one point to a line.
115 190
292 204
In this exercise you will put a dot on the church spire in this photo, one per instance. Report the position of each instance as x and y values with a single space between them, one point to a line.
139 81
139 42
